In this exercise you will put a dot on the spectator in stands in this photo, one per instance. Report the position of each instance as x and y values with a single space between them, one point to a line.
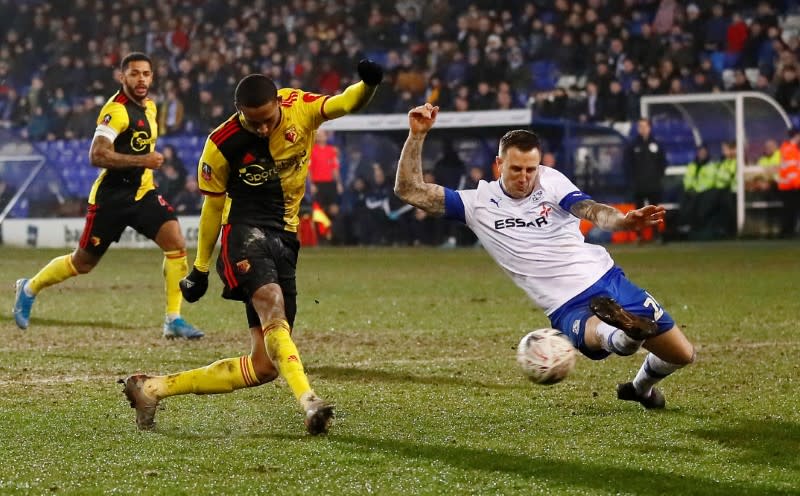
548 160
740 81
634 98
377 204
171 176
82 119
171 112
591 107
189 200
645 162
352 225
789 184
787 89
716 29
39 126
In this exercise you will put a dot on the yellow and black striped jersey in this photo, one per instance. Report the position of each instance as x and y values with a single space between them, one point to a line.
264 178
135 131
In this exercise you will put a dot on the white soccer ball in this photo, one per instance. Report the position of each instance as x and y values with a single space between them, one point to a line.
546 356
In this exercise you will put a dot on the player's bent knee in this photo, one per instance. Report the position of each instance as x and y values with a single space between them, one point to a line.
687 356
265 373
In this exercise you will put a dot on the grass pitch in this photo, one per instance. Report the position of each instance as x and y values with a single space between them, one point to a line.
415 347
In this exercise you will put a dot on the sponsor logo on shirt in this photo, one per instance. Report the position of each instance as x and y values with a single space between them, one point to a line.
257 174
141 140
512 222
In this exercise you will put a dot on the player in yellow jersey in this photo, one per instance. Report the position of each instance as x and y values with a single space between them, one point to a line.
123 195
253 173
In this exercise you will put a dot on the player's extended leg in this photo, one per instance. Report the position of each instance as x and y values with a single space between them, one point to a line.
669 352
57 270
268 303
170 239
223 376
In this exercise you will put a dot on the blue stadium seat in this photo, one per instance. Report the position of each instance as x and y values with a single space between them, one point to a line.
545 75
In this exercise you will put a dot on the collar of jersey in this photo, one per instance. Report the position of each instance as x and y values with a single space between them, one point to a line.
500 184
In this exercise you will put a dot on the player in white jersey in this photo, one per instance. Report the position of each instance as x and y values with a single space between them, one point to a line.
528 221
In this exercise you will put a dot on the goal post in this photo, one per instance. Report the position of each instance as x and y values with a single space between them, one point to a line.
23 167
749 118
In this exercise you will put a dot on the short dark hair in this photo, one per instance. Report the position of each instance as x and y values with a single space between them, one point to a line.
254 90
134 57
521 139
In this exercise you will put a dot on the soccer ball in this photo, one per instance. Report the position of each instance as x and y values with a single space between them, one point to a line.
546 356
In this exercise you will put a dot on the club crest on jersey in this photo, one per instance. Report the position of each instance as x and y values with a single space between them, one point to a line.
206 171
291 135
537 195
243 266
545 211
106 119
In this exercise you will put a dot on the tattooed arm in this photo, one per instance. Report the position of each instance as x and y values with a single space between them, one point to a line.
609 218
409 185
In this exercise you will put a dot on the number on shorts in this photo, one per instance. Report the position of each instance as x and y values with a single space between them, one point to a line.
651 302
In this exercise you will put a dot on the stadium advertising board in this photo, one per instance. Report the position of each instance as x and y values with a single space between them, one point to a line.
66 232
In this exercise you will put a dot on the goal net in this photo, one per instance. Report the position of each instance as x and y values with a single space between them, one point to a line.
750 119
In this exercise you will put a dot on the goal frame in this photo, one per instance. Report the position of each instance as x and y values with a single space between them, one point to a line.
738 99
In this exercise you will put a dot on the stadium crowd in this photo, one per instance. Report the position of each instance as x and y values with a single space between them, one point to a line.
589 61
57 58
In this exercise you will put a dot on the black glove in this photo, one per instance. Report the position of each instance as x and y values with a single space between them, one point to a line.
194 285
370 72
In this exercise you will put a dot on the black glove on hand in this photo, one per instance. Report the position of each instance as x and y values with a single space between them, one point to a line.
370 72
194 285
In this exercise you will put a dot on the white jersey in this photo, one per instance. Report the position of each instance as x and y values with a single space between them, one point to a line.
536 240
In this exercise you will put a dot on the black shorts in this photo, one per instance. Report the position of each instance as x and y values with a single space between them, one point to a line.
252 257
106 219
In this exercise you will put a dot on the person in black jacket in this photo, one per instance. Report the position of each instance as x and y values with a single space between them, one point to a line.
646 162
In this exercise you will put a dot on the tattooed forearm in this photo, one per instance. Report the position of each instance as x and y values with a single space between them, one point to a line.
603 216
409 185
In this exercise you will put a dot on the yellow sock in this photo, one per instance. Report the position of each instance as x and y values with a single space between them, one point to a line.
175 268
59 269
222 376
283 353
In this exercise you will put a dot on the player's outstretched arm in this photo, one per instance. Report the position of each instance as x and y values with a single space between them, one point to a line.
409 185
356 96
609 218
102 154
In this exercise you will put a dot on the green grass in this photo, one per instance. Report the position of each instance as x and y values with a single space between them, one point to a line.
415 347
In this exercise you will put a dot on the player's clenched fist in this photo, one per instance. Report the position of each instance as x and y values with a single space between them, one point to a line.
153 160
194 285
